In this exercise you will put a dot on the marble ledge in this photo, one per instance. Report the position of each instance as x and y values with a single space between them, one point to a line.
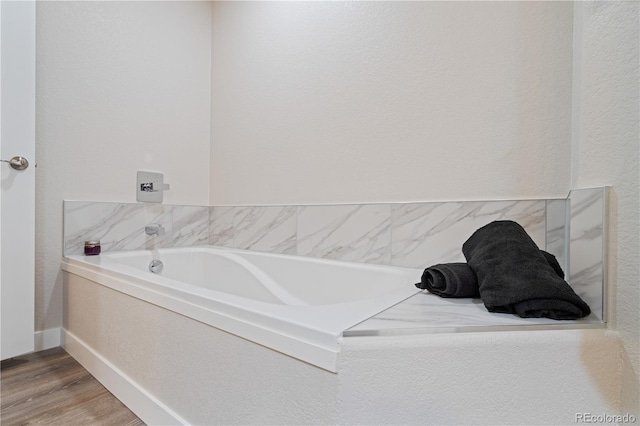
427 313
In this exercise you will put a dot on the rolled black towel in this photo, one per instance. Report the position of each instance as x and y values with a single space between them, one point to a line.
450 280
514 276
459 280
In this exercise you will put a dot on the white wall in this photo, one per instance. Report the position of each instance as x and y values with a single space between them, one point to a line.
482 378
121 86
323 102
605 150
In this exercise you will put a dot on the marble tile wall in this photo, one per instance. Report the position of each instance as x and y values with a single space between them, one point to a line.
587 268
271 228
430 233
120 226
221 226
357 233
410 234
556 230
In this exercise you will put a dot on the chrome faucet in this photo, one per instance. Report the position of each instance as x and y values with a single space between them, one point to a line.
154 229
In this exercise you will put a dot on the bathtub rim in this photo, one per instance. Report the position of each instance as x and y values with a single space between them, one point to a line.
321 356
311 345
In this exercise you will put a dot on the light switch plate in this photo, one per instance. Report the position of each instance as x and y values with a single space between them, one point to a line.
150 187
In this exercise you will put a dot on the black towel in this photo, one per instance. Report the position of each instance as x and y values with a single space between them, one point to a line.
458 279
553 262
450 280
514 276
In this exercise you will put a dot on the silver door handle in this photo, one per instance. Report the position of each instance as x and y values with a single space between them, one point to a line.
17 162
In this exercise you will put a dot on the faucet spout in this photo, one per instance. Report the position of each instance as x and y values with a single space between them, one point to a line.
154 229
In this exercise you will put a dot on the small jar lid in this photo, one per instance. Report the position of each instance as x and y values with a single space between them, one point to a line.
92 243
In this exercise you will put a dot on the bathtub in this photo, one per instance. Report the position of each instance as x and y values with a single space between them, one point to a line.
295 305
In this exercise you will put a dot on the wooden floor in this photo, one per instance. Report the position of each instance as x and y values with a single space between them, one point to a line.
51 388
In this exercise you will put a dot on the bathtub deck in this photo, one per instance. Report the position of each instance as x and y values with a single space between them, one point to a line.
428 313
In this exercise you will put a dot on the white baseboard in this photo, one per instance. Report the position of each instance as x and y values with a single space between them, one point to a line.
142 403
46 339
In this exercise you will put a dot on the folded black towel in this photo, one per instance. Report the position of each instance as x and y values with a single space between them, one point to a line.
459 280
450 280
514 276
553 262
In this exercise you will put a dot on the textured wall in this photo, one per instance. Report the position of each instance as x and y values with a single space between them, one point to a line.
605 150
325 102
506 378
121 86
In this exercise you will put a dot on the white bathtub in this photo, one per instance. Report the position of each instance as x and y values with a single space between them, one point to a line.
296 305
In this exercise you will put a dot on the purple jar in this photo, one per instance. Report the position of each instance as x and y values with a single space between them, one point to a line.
92 248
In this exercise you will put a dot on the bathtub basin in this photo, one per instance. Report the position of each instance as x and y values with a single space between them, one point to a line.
296 305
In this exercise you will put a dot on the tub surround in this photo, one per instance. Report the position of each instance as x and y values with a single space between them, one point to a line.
556 231
587 241
403 234
270 229
120 226
413 235
582 216
431 233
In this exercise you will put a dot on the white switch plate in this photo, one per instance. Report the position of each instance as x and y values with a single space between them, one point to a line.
150 187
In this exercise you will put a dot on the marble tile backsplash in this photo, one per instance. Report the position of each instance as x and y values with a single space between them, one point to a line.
120 226
401 234
357 233
587 219
189 226
556 230
271 229
430 233
221 226
411 235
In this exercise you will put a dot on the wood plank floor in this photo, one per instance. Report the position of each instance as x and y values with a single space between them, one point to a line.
51 388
